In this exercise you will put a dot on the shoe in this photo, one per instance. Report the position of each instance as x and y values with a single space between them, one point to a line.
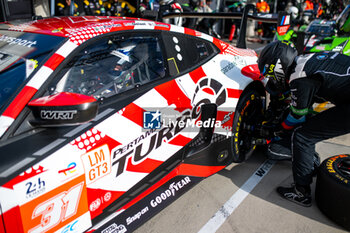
292 193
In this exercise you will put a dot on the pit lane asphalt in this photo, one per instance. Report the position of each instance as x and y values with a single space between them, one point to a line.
260 210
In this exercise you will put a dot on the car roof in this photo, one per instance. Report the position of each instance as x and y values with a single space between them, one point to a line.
61 26
82 28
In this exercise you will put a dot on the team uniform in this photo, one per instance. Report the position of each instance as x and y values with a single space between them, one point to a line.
317 77
309 78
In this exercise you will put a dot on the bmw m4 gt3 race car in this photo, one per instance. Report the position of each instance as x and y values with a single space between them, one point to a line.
105 121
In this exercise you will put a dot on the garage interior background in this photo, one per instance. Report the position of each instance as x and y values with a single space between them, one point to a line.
26 9
23 9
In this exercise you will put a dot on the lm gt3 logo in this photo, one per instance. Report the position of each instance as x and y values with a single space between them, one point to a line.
57 115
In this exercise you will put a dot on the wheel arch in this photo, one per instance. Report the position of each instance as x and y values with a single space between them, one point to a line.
257 85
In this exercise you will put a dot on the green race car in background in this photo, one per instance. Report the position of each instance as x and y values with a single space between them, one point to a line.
321 35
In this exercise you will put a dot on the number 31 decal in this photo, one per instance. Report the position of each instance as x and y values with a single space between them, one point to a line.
57 209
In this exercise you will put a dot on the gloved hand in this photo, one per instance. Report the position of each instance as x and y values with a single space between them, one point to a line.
281 133
278 108
274 132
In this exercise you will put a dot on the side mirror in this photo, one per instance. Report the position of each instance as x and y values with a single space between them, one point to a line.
63 109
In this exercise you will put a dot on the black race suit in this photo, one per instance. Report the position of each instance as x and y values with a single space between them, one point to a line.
321 76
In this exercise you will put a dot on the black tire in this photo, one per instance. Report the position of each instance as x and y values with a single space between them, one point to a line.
333 189
248 114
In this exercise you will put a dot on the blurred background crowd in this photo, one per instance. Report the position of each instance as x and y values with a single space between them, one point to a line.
312 8
302 11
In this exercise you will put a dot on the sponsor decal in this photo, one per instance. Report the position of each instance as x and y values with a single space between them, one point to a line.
69 170
171 191
34 189
31 64
330 168
281 30
239 122
227 68
137 216
25 176
55 209
271 69
138 213
152 120
104 27
320 47
342 178
70 227
141 211
97 203
207 91
227 117
114 228
283 25
161 25
17 41
57 115
321 57
107 196
337 48
97 163
132 144
138 153
57 30
63 203
134 148
150 24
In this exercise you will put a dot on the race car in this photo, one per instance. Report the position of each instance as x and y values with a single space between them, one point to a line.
321 35
104 121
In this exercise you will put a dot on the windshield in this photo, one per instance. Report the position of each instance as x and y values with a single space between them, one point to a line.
20 54
321 27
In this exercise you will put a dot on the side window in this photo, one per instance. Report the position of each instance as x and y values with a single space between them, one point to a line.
186 52
112 65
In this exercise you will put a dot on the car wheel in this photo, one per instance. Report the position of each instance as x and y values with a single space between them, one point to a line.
248 114
333 189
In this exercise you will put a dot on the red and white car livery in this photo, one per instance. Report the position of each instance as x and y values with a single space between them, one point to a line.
105 121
